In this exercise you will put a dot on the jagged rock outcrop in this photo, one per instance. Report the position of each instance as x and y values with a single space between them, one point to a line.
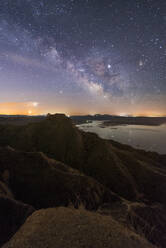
64 227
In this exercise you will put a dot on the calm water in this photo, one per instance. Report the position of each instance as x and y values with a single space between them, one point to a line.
151 138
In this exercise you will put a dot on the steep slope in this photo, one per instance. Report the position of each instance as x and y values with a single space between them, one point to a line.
56 136
42 182
147 220
148 172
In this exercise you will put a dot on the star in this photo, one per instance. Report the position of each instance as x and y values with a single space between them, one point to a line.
70 55
141 63
35 104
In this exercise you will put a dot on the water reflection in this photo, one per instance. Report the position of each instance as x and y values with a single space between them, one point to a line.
151 138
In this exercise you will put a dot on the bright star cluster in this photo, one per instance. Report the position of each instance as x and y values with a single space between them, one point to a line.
83 57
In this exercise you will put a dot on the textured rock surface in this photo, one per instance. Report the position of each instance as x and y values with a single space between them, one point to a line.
148 221
64 227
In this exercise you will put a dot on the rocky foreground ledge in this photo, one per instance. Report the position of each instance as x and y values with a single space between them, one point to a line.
65 227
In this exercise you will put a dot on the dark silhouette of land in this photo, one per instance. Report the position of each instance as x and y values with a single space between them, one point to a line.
108 120
49 168
19 119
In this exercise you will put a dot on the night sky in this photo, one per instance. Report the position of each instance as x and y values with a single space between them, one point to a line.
83 57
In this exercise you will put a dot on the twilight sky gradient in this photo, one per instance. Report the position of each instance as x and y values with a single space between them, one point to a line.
83 57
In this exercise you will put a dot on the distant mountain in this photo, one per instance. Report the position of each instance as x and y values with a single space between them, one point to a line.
52 163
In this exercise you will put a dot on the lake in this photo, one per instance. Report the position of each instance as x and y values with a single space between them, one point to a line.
150 138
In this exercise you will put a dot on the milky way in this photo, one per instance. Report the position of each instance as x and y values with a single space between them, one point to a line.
83 56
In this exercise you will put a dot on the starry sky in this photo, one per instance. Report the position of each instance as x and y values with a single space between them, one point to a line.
83 57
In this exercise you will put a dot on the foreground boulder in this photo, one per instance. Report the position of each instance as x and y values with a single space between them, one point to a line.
42 182
69 228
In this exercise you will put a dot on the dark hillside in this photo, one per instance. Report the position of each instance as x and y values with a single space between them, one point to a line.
128 172
52 163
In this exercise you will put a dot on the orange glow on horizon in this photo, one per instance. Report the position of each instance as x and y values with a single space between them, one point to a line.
17 108
34 108
150 114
